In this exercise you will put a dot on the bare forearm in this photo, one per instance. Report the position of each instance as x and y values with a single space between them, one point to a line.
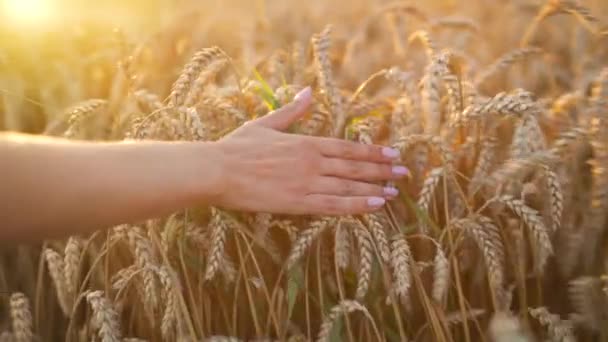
54 187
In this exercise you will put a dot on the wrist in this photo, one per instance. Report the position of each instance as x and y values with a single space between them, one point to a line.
210 174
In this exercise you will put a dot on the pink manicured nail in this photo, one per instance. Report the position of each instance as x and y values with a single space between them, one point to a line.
390 191
390 152
304 93
400 170
376 202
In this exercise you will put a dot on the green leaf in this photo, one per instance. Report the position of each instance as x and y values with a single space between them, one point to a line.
350 132
336 331
349 278
420 215
266 92
391 333
295 279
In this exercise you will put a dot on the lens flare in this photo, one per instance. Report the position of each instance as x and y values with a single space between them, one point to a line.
26 11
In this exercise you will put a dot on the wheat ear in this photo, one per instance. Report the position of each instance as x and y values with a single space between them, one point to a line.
343 308
321 45
191 71
559 330
539 233
105 318
219 229
306 238
366 253
401 257
56 270
21 317
71 261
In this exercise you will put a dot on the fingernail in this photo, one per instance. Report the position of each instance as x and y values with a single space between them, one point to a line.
400 170
376 202
304 93
390 152
390 191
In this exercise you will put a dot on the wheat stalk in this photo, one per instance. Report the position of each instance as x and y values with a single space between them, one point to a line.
559 330
376 224
516 104
585 293
556 197
405 143
146 262
147 101
426 193
401 257
343 308
122 278
219 229
191 71
81 112
461 119
21 317
487 237
433 78
105 318
169 322
366 253
540 234
527 138
190 118
402 78
484 164
516 168
505 61
306 238
321 45
289 227
72 255
441 275
212 69
454 93
56 270
553 7
342 246
430 47
222 107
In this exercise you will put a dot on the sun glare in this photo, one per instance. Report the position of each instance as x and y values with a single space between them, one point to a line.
26 11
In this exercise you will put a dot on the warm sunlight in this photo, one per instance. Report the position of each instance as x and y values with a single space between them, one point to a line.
303 170
27 11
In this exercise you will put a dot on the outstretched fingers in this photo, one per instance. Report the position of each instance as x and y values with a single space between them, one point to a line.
344 187
340 205
361 170
343 149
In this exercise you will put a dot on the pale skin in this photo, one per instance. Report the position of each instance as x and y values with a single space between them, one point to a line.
52 187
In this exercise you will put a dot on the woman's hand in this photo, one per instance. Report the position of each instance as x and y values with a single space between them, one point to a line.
91 185
264 169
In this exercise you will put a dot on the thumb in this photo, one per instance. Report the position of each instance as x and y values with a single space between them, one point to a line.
281 118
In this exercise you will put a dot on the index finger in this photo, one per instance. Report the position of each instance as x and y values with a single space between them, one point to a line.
343 149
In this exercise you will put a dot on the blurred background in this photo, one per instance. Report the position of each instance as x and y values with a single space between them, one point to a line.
54 53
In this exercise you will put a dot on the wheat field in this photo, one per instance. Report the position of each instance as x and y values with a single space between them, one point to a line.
499 109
